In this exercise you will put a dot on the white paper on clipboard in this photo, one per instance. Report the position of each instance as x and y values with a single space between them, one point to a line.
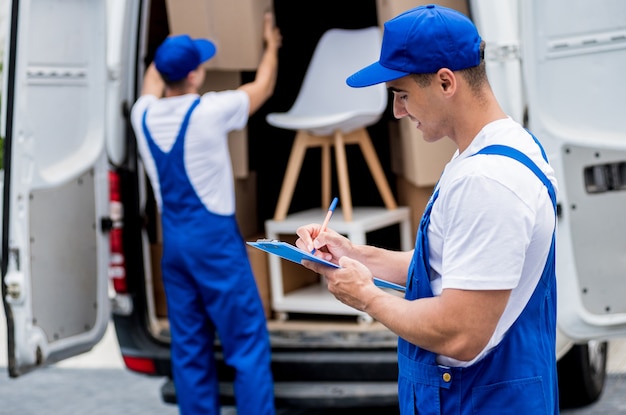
294 254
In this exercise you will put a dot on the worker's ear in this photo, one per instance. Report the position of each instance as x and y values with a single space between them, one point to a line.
196 77
446 79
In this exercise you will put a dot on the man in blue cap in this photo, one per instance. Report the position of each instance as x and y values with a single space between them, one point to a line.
477 324
208 281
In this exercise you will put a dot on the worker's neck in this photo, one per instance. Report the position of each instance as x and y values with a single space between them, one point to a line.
175 92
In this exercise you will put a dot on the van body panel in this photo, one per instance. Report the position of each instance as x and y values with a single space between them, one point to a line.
570 56
55 253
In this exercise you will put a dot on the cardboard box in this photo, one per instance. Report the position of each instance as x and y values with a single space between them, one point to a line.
416 198
388 9
245 205
158 225
260 268
160 303
236 28
215 80
419 162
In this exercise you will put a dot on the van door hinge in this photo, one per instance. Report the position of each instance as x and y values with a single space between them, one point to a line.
14 253
13 290
106 224
12 279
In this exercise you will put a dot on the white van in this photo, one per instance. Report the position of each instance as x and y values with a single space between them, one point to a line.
80 228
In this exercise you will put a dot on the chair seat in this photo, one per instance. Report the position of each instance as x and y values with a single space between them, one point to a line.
324 124
327 113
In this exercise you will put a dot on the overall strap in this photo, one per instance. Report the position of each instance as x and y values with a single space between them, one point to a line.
183 127
543 153
502 150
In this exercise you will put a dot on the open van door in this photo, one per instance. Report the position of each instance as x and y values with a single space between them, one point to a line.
55 198
574 55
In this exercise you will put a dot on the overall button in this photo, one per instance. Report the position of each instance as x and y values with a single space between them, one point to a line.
447 377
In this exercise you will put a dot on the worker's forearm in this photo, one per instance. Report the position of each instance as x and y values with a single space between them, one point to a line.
268 69
152 82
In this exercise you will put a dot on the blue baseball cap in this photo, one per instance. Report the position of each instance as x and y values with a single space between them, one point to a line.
422 40
178 55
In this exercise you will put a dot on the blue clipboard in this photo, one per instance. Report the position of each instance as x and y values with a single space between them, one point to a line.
294 254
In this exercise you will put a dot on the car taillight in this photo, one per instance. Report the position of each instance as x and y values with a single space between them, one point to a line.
117 264
140 364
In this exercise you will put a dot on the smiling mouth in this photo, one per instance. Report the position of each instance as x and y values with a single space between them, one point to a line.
416 122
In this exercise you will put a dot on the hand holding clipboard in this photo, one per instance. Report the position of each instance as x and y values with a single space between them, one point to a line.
297 255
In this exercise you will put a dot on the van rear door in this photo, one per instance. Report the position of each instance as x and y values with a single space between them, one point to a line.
574 55
55 198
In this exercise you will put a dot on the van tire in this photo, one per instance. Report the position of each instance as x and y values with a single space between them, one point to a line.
582 374
168 391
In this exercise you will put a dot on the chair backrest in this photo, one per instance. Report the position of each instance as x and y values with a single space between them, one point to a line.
338 54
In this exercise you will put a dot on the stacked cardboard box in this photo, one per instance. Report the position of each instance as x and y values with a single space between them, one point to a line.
260 268
419 162
387 9
236 28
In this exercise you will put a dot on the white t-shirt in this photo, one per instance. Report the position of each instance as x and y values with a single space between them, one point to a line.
207 157
492 223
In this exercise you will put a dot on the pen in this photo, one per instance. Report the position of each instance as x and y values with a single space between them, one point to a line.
331 210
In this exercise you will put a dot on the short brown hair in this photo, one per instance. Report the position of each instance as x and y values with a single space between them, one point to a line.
475 76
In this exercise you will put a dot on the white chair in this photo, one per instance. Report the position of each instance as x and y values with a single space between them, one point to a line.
327 113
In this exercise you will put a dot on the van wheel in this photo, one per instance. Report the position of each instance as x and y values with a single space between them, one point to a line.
582 372
168 391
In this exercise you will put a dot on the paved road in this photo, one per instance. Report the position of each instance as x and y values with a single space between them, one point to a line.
612 401
96 383
105 391
93 391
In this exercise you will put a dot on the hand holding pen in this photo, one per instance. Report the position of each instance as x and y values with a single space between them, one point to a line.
331 210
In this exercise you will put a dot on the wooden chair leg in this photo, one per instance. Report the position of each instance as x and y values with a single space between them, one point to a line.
326 174
303 141
291 175
365 143
342 177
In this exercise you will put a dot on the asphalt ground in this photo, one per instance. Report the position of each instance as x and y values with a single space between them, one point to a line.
107 391
96 383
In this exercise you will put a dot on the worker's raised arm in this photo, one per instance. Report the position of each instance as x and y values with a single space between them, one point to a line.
153 84
264 82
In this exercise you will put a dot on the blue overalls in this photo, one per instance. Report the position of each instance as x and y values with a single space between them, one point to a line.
517 377
209 287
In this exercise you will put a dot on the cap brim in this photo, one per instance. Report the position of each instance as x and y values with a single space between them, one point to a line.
372 75
206 48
